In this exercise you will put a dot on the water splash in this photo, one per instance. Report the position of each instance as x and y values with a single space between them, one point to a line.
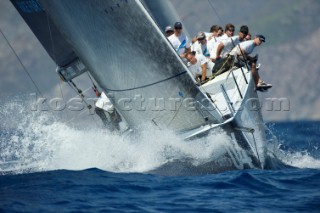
40 142
302 160
298 159
304 157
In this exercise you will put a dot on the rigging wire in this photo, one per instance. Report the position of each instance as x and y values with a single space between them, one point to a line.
34 83
22 65
147 85
94 85
79 92
213 8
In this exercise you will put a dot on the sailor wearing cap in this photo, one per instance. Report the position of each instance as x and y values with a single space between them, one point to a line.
178 40
245 48
168 31
200 46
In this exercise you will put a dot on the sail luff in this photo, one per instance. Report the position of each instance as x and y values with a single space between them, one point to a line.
162 11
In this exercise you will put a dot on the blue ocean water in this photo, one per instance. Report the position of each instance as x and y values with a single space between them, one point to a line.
57 177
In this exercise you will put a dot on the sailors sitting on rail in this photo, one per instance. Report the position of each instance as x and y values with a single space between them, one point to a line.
215 32
242 51
179 41
200 46
168 31
225 46
213 46
106 111
200 66
223 61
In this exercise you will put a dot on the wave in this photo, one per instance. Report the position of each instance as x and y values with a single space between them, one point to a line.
295 150
39 141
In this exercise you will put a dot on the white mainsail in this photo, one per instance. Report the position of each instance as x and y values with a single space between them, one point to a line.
130 57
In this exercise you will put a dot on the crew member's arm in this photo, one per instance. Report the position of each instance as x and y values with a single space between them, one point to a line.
219 50
204 72
194 40
241 52
187 49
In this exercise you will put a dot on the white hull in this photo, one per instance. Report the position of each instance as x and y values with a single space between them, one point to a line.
243 118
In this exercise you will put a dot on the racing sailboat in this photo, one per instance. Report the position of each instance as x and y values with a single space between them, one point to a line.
121 44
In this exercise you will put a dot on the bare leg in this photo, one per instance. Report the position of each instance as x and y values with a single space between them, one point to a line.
260 85
255 73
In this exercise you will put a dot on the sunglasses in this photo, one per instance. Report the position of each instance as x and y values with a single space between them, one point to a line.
178 28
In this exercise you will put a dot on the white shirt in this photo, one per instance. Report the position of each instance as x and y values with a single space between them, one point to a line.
200 49
208 35
104 103
179 43
229 44
247 46
196 69
212 45
224 37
